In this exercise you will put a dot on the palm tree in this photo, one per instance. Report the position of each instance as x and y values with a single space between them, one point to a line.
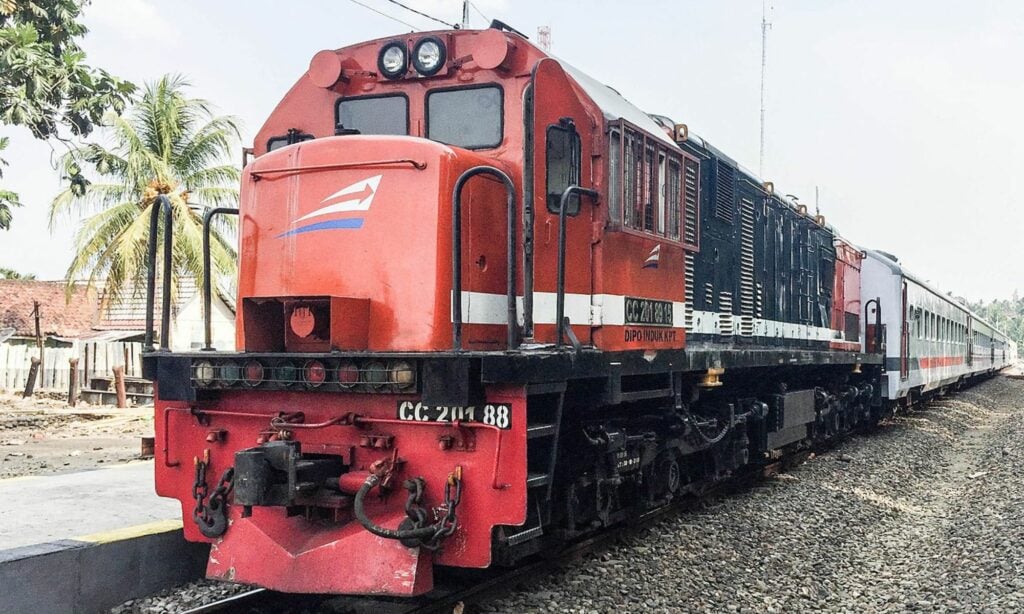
8 199
168 144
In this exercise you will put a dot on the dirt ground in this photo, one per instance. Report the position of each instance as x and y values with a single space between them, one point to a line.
41 436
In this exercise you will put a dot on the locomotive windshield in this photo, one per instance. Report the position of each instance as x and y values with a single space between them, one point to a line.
375 114
467 117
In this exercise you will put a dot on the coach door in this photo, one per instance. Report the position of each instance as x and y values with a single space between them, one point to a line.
562 139
970 340
904 338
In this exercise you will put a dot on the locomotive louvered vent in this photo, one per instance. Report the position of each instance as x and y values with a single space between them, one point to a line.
688 259
691 170
747 298
709 297
724 192
688 308
725 324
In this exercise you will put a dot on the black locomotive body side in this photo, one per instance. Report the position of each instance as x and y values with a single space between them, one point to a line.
764 268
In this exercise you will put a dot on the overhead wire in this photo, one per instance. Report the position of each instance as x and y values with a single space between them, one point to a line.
383 14
480 13
422 14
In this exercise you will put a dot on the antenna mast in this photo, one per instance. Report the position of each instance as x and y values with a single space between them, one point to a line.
765 25
465 14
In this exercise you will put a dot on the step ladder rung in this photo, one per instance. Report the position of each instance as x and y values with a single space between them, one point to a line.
537 479
523 536
540 430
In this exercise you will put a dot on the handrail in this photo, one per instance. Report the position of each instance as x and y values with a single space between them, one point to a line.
510 191
207 278
258 174
560 298
162 203
876 342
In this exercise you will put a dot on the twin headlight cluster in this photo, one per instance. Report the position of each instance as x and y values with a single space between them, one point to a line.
355 376
428 57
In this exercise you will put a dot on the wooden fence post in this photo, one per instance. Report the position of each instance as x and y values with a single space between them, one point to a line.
32 372
72 382
122 397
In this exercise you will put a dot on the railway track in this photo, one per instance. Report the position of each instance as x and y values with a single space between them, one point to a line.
471 585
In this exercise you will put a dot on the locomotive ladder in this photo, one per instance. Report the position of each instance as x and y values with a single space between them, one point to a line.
544 403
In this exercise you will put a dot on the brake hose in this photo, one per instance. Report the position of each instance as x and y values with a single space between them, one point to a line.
417 533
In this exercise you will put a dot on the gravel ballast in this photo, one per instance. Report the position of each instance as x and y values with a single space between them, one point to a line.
923 514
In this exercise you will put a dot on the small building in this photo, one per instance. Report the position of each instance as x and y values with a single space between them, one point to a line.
128 314
84 323
64 313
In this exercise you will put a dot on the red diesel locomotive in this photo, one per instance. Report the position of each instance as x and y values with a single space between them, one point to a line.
486 305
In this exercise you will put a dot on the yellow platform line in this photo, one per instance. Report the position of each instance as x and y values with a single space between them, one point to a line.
140 530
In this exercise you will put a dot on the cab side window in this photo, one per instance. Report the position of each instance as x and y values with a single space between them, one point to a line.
563 166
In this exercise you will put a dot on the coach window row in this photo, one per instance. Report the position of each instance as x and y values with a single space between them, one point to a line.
933 327
652 187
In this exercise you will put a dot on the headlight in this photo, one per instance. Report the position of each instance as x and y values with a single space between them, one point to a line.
204 373
392 60
428 56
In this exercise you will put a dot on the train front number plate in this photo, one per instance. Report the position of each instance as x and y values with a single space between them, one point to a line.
492 414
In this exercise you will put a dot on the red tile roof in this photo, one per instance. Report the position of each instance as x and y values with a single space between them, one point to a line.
59 316
128 312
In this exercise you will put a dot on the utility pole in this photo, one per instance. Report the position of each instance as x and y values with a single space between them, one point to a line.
39 340
764 67
544 38
465 14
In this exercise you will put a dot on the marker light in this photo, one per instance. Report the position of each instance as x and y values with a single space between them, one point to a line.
230 373
375 374
402 374
428 56
314 373
392 60
286 374
253 373
348 374
204 373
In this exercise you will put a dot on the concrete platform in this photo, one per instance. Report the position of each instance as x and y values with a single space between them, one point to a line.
86 541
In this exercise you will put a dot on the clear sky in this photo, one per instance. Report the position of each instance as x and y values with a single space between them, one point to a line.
908 115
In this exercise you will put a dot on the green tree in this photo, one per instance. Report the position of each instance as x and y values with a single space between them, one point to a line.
45 84
12 274
44 81
8 199
168 144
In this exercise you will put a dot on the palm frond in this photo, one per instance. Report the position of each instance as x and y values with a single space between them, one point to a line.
167 143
